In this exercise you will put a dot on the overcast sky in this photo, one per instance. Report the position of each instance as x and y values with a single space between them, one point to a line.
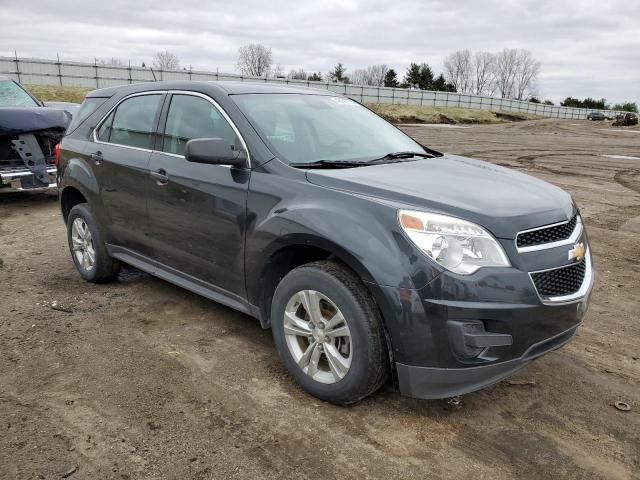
587 47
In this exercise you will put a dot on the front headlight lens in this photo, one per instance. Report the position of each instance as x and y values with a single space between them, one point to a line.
460 246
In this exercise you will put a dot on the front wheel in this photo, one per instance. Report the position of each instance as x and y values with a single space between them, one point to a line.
328 333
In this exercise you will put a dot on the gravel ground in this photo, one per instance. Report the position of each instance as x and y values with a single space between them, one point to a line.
142 380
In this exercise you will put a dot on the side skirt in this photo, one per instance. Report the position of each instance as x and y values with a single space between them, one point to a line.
183 280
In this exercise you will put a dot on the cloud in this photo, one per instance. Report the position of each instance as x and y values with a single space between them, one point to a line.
587 47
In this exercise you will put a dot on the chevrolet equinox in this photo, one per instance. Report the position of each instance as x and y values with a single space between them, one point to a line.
368 255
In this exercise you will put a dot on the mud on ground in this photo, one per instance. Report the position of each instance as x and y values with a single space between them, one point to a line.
142 380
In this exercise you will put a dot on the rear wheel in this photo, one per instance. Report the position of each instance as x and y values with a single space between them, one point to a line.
328 333
87 247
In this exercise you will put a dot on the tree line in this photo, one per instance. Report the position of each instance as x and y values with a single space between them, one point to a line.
510 73
599 104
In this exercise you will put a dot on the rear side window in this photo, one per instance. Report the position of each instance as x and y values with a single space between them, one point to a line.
132 123
192 117
89 106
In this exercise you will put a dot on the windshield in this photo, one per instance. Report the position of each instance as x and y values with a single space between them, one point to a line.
12 95
310 128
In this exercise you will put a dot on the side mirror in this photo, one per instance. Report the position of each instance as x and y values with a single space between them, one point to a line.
214 151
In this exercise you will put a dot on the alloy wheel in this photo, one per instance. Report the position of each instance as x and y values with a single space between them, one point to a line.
318 336
82 244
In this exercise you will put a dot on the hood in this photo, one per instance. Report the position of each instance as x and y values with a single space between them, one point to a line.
501 200
18 120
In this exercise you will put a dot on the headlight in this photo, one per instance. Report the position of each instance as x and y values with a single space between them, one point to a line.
460 246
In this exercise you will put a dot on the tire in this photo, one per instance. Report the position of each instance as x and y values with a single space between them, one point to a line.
343 300
103 268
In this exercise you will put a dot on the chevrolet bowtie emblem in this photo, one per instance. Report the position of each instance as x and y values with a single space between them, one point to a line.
577 252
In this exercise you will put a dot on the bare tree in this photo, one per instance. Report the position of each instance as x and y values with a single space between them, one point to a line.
278 72
166 61
372 75
483 73
525 79
299 74
506 69
458 70
255 60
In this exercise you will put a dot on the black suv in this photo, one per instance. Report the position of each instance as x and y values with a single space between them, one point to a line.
367 254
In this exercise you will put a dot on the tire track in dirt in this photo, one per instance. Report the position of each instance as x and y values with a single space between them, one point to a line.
629 179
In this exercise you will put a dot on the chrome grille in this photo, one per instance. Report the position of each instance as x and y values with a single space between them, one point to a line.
544 235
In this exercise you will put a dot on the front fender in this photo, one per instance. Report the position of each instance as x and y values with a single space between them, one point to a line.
360 231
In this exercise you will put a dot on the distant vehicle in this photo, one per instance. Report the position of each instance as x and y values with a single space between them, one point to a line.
70 107
365 252
596 116
628 119
29 133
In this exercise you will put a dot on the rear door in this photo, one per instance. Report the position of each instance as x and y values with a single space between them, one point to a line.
120 158
197 212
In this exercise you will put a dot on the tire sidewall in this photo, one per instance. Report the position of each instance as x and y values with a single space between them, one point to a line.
84 212
356 319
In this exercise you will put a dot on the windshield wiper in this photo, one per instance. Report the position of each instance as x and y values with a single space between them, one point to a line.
329 164
401 156
389 157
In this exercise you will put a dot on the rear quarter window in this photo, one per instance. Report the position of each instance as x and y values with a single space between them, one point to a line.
89 106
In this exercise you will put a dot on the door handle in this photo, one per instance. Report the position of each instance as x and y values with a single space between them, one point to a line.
160 176
96 157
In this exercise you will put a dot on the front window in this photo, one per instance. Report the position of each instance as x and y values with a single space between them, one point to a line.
192 117
13 95
312 128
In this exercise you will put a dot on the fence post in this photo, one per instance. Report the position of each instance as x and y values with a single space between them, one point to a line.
130 78
17 65
59 70
95 66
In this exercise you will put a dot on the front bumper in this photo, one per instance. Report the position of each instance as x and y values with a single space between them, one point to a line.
22 180
433 382
459 334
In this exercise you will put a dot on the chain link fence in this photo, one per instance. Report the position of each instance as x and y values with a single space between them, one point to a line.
31 71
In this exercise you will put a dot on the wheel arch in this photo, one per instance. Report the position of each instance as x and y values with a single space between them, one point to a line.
69 198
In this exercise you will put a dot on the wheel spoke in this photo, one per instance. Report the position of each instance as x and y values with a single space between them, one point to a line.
314 360
336 320
75 232
337 363
295 326
338 332
306 356
85 257
77 244
91 255
311 302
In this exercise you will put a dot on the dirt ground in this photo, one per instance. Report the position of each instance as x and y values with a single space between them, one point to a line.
142 380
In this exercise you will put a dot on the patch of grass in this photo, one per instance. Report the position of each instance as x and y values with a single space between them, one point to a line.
52 93
424 114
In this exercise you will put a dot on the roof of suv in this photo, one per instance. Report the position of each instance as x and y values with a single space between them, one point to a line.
229 87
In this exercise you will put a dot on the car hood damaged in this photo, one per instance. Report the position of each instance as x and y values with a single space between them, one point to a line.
28 136
502 200
19 120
